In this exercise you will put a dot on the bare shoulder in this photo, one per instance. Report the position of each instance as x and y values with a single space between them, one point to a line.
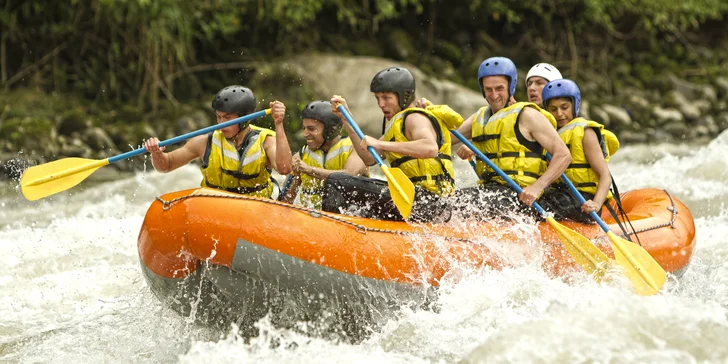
418 120
531 112
418 126
530 118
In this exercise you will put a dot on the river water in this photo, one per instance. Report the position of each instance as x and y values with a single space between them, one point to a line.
71 289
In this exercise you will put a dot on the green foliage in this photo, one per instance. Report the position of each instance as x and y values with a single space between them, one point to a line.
144 52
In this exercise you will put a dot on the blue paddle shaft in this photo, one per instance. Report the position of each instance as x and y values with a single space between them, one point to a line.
495 168
359 133
191 134
286 186
581 199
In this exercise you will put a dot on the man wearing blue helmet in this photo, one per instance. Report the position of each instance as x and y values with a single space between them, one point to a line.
325 152
591 147
416 140
516 137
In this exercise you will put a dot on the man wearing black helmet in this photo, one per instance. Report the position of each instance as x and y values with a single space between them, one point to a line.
416 140
325 152
237 158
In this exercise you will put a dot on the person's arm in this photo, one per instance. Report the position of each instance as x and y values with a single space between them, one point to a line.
595 158
466 129
167 162
364 154
422 139
278 150
353 166
535 126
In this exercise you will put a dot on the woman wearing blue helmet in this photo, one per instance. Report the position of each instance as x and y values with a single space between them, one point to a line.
591 147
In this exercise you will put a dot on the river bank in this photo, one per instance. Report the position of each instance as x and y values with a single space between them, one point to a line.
37 127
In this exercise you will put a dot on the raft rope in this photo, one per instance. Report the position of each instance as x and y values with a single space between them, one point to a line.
622 213
671 224
166 205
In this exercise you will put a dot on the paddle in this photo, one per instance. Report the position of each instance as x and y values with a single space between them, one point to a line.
400 187
53 177
286 187
640 267
593 260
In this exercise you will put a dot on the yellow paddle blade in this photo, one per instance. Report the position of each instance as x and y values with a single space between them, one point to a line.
401 189
640 267
50 178
589 257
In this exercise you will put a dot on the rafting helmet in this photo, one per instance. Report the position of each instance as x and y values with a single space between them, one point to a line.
321 111
544 70
398 80
235 99
498 66
562 88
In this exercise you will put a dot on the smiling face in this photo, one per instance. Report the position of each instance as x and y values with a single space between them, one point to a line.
313 131
388 102
231 130
534 86
496 91
562 109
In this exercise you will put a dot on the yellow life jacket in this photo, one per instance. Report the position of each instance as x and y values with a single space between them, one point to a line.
433 174
334 159
495 136
245 171
579 171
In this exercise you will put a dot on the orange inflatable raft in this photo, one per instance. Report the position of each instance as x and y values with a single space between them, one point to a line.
204 247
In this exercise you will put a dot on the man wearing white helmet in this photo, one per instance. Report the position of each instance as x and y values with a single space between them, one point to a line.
538 76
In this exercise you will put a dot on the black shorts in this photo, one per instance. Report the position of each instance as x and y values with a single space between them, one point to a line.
370 198
494 200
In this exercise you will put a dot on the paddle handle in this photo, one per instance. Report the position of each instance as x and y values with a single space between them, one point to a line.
286 187
581 199
495 168
472 164
359 133
192 134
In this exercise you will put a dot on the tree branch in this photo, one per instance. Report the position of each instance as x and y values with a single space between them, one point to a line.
209 67
35 65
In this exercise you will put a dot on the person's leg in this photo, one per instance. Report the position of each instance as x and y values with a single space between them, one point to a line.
502 201
358 196
429 207
564 205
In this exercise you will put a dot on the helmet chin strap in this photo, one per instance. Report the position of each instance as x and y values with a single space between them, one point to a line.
240 130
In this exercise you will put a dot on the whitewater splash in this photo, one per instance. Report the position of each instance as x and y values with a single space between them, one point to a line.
73 291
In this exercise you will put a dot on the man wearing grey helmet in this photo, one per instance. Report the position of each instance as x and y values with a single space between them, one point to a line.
416 140
238 158
325 152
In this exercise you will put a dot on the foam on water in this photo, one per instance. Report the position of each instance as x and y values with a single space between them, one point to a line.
72 290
